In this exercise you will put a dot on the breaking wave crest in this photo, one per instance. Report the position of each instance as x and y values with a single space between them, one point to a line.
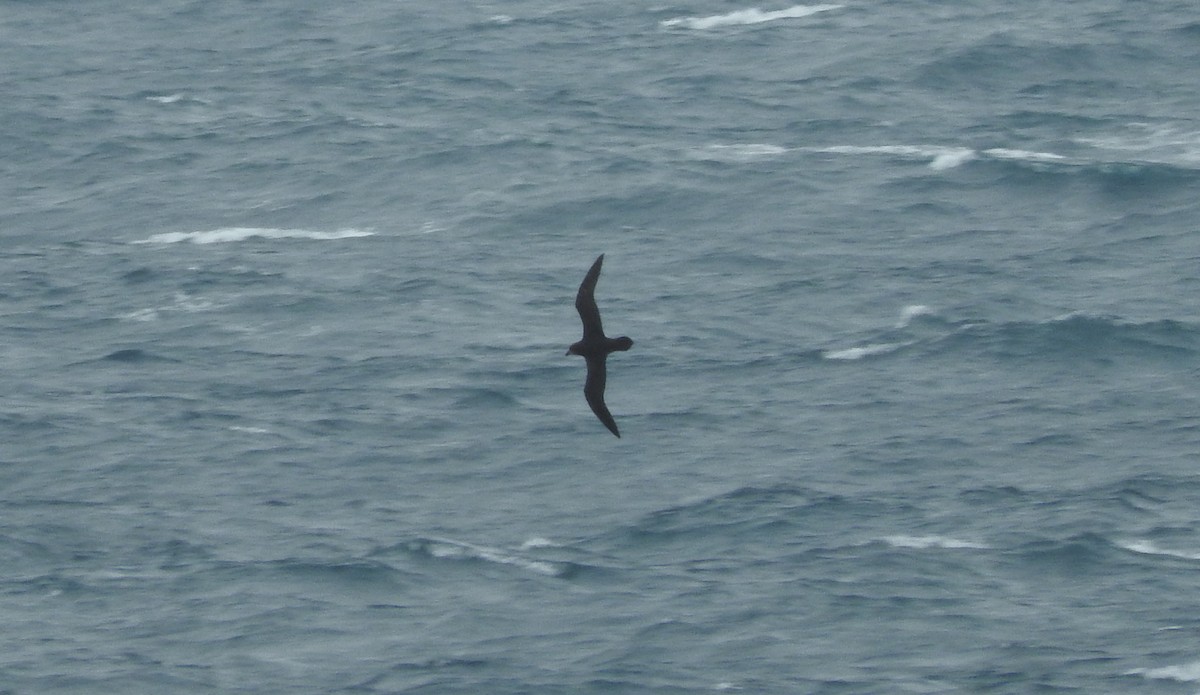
752 15
227 235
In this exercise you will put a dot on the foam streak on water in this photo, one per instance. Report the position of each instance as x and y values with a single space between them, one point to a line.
748 16
234 234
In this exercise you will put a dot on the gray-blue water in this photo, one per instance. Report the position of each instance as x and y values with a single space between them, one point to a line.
285 290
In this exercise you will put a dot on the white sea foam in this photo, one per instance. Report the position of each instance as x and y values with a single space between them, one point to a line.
939 157
942 157
538 542
951 158
911 151
857 353
911 312
142 315
1185 673
926 542
234 234
1023 155
748 16
901 150
177 98
741 153
1166 143
445 548
183 303
1149 548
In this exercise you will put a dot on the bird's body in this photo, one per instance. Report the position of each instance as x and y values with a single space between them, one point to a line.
595 346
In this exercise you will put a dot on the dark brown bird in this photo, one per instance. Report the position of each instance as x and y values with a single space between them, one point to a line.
595 347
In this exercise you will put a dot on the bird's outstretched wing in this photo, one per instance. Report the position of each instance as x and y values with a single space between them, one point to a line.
585 304
593 390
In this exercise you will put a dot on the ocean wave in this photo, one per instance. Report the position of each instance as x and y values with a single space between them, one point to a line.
1184 673
858 353
750 508
1080 554
482 398
1151 143
888 342
183 303
539 542
1082 335
927 542
350 571
135 356
1073 336
1134 174
227 235
913 311
746 152
943 157
1150 491
1136 180
1145 547
1023 155
987 63
752 15
447 549
249 430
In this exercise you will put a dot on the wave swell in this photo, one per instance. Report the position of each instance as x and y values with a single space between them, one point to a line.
226 235
752 15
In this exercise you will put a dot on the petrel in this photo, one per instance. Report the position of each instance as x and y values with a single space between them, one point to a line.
595 347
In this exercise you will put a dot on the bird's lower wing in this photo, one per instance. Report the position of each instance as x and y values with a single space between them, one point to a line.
593 391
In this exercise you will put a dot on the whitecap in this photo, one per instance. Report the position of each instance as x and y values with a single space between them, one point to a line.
183 303
1023 155
857 353
748 16
234 234
539 542
445 548
1165 143
141 315
926 542
166 99
940 157
911 312
1148 548
901 150
1185 673
741 153
951 158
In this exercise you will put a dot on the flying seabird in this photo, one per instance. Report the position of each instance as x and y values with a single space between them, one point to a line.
595 347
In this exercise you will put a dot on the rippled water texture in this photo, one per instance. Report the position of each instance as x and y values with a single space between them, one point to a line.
911 407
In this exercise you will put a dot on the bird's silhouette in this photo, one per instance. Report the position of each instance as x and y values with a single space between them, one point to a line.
595 346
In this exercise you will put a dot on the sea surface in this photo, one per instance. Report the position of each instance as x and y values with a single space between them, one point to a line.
913 404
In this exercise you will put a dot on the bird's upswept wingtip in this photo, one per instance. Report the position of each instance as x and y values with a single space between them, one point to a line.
595 346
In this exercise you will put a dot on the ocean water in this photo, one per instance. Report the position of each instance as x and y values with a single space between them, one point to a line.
912 405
